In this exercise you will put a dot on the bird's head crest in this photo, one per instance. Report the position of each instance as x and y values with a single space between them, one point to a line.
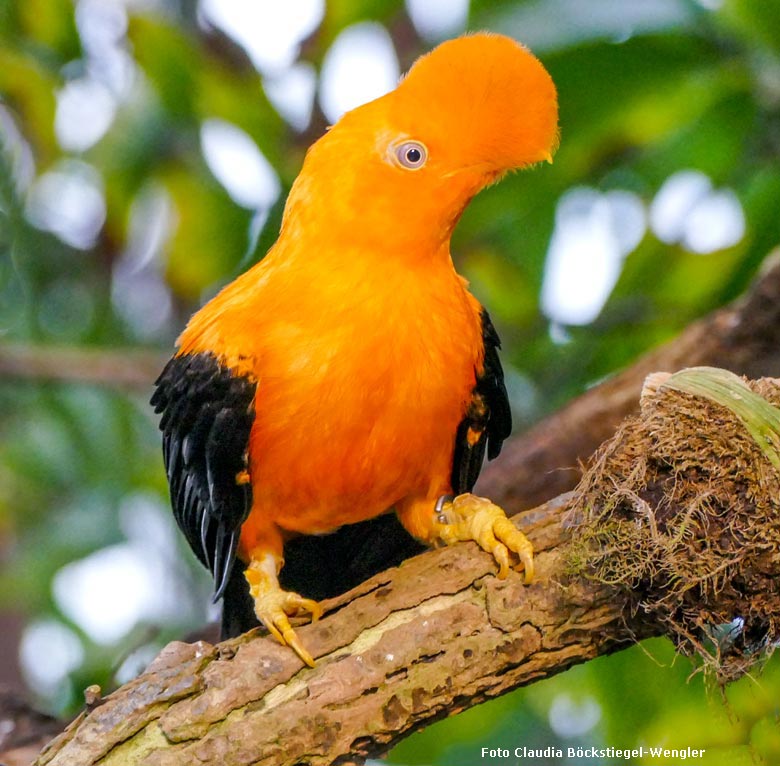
483 98
470 110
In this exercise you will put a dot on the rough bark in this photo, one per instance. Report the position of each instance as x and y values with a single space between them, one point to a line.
427 639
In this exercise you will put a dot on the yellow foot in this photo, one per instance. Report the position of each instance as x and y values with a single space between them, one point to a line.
468 517
273 606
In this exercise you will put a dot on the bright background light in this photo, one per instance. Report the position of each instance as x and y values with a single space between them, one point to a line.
292 93
438 19
68 201
573 718
270 32
361 65
139 293
115 588
689 211
238 164
48 652
593 234
85 110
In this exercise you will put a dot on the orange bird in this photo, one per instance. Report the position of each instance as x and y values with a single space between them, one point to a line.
351 373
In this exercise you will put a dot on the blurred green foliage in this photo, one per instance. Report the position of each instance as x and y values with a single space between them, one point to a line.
646 89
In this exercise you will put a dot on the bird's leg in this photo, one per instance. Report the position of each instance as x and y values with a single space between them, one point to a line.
468 517
273 605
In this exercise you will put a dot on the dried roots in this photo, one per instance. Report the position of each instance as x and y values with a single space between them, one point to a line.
681 509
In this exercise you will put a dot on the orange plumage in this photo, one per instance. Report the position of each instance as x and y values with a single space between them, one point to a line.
359 344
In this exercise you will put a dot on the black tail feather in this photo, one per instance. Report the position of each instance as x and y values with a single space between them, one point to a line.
238 612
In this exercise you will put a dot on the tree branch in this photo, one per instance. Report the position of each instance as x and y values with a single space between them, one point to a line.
432 637
672 531
127 368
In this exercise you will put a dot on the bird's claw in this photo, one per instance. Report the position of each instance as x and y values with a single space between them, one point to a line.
468 517
273 607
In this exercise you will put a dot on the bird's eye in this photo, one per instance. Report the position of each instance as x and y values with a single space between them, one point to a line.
411 155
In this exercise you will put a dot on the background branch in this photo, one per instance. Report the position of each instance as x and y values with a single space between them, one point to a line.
743 337
122 367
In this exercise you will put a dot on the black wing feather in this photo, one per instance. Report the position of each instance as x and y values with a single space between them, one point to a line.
488 419
207 414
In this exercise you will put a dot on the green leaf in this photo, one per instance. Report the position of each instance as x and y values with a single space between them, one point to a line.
212 232
171 60
28 88
754 20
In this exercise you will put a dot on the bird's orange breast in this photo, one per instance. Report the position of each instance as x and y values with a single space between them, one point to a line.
363 372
